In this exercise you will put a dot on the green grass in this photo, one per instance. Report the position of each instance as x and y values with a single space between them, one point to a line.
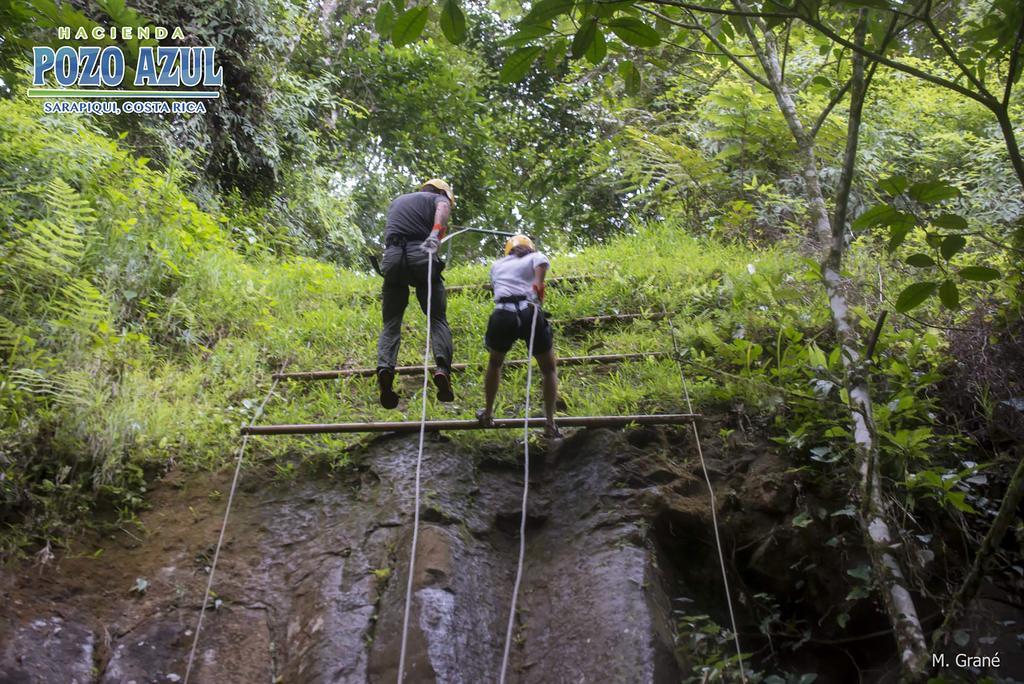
171 351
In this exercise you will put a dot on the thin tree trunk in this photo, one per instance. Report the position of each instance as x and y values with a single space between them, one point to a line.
1006 515
1006 126
899 603
858 88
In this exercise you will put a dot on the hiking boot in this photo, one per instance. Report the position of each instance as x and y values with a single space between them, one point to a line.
385 377
484 418
443 382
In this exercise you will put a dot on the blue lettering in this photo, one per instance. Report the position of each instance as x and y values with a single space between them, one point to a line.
212 75
191 69
66 69
168 72
145 72
113 66
90 72
43 60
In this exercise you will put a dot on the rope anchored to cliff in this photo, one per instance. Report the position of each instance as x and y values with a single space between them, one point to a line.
526 490
224 526
711 494
419 461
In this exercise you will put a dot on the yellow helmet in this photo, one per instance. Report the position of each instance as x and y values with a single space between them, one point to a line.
516 241
442 186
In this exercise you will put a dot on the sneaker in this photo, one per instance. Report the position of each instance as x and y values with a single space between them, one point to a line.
385 377
443 382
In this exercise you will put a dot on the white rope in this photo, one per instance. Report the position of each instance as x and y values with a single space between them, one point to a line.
224 527
714 505
419 461
526 490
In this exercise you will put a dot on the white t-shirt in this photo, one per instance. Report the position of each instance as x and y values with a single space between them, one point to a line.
514 275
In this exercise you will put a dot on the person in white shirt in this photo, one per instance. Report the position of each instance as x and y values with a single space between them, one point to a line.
518 281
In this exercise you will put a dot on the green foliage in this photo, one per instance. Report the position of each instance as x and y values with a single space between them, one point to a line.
910 214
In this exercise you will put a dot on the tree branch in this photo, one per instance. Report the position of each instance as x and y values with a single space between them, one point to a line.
988 101
927 21
1014 57
993 538
715 10
696 26
836 99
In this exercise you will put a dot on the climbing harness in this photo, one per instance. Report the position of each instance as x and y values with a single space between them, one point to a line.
419 461
526 490
224 526
711 494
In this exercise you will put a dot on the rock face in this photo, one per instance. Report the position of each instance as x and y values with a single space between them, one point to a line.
622 581
311 582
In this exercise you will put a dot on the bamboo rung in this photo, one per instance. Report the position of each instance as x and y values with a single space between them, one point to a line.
499 424
414 370
487 286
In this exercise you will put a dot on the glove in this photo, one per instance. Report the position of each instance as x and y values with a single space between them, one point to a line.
431 244
538 289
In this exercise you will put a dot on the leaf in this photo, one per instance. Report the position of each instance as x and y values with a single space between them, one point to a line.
384 21
453 22
409 26
584 37
981 273
961 637
920 260
861 572
951 245
894 185
598 49
881 215
951 222
518 64
526 34
630 77
634 32
949 295
803 519
897 234
931 192
546 10
914 295
555 54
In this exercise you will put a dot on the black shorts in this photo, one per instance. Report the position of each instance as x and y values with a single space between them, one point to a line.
505 327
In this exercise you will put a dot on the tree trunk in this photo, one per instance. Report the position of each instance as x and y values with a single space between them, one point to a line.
878 539
1006 515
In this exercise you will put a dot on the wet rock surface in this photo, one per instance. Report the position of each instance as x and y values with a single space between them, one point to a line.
310 586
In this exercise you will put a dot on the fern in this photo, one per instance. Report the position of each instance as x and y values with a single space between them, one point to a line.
49 249
79 303
9 334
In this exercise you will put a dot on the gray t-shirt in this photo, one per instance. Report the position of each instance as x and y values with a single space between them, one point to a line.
513 275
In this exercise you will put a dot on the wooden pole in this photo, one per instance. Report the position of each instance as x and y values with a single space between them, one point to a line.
499 424
487 286
653 316
415 370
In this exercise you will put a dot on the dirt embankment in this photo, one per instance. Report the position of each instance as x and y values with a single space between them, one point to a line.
311 581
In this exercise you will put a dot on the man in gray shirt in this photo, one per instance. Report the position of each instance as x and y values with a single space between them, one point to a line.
416 222
518 281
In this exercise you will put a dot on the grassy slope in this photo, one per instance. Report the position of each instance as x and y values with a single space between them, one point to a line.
185 331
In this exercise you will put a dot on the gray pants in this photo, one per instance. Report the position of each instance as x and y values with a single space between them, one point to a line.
405 267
